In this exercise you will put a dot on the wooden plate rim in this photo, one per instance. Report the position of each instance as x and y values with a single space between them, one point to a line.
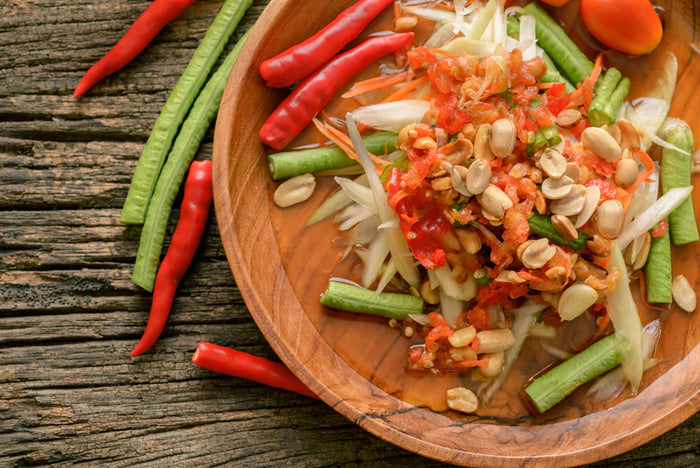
387 425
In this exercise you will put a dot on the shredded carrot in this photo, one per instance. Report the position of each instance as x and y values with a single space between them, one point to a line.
603 323
379 82
344 143
404 90
648 164
584 93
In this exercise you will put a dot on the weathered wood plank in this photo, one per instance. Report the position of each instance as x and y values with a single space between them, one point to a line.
69 393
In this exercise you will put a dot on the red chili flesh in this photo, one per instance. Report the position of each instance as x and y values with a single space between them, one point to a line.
246 366
194 213
140 34
312 94
299 61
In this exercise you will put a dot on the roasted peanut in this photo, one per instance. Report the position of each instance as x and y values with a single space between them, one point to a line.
592 197
598 245
478 177
494 200
538 253
552 163
554 189
425 143
441 183
575 300
494 341
502 137
462 399
540 202
469 240
481 143
568 118
405 23
494 367
294 190
629 137
572 204
564 227
557 274
429 295
601 143
626 172
609 218
462 336
683 293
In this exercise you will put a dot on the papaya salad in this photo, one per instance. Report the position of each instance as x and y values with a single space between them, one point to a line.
494 182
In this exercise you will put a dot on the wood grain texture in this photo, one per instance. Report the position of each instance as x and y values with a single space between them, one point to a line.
69 392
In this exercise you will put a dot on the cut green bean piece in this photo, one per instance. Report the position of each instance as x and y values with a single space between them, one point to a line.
542 226
563 51
179 102
351 298
598 111
658 270
553 75
675 172
551 388
293 163
188 140
544 136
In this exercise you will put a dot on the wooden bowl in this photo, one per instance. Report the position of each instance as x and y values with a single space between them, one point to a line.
357 365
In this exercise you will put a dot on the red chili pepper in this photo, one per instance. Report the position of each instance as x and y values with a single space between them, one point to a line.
299 61
140 34
194 212
312 94
246 366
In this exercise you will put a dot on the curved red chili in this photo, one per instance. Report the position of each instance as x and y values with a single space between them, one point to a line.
312 94
140 34
194 213
246 366
299 61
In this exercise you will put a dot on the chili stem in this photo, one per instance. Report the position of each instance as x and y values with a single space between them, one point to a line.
542 226
246 366
658 270
179 102
563 51
351 298
599 112
675 172
293 163
193 130
555 385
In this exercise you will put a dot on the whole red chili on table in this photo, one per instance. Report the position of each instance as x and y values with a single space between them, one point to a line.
246 366
312 94
140 34
194 213
299 61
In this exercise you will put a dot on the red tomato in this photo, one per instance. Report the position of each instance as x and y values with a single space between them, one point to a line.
630 26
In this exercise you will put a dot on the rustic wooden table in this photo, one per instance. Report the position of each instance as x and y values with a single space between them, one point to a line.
69 392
